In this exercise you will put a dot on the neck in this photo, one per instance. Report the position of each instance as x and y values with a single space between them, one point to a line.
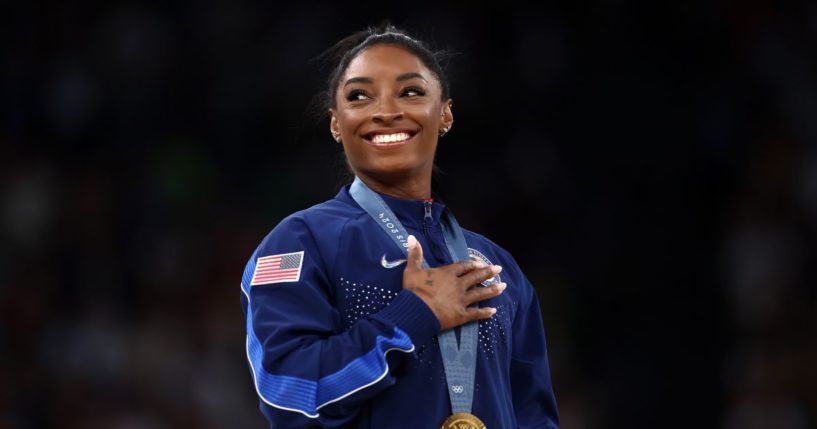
411 188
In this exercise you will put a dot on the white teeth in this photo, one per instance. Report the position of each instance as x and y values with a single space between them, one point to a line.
390 138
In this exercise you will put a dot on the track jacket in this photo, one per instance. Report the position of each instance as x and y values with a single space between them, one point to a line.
333 340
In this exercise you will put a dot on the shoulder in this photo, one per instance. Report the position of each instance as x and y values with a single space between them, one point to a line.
317 226
495 254
328 217
330 212
487 247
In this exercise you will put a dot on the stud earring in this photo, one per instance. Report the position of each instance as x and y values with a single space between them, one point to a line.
443 131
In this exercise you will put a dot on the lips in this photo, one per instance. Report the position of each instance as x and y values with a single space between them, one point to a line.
385 138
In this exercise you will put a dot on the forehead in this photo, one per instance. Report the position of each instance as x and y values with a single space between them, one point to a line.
386 61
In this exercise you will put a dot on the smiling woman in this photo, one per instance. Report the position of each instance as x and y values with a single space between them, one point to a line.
339 336
388 119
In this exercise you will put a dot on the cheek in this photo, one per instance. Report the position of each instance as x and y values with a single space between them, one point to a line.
348 122
427 113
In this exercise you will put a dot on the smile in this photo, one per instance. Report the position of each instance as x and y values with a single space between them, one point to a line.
389 139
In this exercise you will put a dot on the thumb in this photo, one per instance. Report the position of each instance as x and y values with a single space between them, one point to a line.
415 253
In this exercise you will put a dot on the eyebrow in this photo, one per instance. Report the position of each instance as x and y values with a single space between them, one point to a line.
401 78
411 75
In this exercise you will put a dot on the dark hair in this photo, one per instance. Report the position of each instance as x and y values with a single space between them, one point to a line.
343 52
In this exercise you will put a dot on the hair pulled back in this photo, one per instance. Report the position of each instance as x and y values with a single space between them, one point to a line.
344 51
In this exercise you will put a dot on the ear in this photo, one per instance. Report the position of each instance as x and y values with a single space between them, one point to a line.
447 115
334 128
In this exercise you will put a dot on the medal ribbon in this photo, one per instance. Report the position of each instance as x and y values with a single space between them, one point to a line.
459 361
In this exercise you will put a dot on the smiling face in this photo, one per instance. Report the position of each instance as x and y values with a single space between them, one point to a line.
388 115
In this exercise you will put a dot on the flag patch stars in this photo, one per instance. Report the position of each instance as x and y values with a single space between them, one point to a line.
283 268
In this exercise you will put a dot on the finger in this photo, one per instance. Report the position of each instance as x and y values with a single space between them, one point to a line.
462 267
415 253
480 275
479 313
478 294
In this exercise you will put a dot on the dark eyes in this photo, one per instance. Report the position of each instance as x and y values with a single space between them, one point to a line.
356 95
413 92
359 95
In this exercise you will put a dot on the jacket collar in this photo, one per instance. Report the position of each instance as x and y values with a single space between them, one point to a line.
411 213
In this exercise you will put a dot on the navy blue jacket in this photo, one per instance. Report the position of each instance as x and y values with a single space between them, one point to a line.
333 340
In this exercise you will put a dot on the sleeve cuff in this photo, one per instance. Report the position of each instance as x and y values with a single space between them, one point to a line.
409 313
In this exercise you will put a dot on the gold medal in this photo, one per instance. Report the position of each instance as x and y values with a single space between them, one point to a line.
462 421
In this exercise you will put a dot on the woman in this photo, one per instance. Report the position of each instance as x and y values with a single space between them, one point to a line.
375 309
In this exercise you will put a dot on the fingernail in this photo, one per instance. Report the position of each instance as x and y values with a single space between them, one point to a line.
496 269
501 286
493 311
411 241
480 264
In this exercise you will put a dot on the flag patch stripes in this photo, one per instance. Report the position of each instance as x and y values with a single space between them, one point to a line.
282 268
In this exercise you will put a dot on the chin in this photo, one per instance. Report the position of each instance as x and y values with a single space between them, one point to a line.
391 170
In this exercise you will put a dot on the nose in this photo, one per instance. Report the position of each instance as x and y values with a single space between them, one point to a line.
387 117
387 112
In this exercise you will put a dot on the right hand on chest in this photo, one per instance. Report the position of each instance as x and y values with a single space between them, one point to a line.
450 290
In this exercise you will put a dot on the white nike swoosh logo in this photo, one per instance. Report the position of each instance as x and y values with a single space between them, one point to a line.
392 264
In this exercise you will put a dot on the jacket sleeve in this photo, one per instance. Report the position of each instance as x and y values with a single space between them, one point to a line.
308 371
533 398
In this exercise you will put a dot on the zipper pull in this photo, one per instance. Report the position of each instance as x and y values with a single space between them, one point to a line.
427 220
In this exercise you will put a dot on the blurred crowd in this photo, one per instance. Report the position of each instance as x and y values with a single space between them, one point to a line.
653 168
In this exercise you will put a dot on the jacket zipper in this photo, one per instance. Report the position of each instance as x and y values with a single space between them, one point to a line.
436 251
427 218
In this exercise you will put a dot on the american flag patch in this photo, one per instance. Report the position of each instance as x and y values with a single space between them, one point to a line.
282 268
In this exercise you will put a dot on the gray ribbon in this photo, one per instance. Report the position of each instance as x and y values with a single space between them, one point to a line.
459 360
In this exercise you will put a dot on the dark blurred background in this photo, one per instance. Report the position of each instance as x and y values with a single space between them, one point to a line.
652 167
